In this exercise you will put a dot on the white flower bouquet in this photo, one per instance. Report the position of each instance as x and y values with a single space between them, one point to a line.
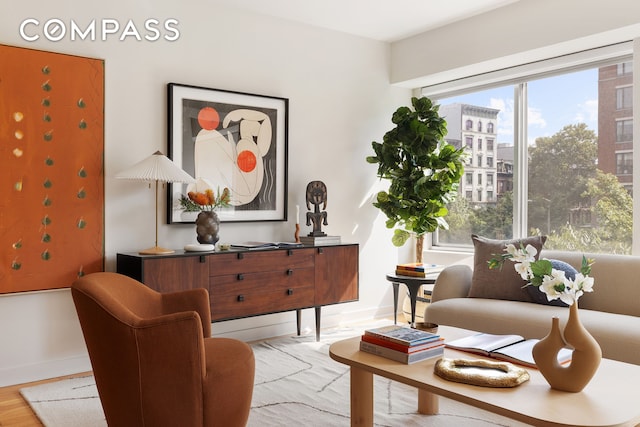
540 273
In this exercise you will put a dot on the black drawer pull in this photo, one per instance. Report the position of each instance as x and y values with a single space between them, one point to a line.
240 298
290 252
289 291
203 259
289 272
320 250
240 255
240 277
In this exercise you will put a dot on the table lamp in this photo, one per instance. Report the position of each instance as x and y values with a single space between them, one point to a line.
156 168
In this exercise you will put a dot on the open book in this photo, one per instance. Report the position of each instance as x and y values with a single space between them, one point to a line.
265 245
510 348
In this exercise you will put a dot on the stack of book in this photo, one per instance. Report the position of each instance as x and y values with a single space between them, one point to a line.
402 344
417 269
320 240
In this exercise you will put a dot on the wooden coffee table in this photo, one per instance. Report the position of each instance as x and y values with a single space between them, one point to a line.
610 399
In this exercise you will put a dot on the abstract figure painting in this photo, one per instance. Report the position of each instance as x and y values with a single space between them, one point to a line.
229 140
51 151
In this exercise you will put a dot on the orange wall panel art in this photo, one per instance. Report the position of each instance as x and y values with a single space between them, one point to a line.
51 169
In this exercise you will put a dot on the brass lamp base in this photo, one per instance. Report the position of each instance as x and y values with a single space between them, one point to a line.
156 250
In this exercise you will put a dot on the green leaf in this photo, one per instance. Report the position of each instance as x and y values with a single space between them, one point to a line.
541 267
400 237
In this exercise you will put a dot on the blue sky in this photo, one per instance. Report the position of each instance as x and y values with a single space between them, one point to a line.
554 102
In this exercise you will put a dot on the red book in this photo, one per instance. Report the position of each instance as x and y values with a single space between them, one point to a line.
403 348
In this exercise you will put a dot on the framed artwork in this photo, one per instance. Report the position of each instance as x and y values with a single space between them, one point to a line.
52 174
231 140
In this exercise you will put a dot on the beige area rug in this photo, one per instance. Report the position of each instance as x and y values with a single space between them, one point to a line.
297 384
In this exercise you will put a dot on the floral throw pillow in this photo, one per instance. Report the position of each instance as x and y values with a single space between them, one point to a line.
505 283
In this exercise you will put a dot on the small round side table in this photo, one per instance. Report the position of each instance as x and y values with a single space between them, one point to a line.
413 285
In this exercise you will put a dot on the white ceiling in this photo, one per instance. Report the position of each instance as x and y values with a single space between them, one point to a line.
384 20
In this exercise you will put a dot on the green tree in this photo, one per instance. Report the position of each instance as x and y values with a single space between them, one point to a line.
494 221
459 230
559 169
612 207
498 219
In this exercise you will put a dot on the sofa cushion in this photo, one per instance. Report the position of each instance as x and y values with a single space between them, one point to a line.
504 283
540 297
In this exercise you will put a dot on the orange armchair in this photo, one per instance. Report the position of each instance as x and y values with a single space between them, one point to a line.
153 359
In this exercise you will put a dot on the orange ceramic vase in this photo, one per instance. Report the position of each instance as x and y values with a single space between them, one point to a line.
584 361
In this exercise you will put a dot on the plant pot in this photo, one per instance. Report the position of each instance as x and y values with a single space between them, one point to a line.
207 227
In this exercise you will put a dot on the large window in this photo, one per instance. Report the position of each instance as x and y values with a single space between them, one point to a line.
558 167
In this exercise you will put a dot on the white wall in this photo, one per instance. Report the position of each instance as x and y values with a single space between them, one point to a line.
340 100
521 32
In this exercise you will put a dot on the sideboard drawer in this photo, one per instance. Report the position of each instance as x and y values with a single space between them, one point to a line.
248 262
240 295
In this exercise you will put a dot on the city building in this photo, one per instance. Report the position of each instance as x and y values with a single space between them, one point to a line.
615 121
476 128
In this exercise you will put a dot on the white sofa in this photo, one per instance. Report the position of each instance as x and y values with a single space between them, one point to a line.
611 313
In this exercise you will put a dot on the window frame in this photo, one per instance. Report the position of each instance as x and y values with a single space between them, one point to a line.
621 125
624 97
518 76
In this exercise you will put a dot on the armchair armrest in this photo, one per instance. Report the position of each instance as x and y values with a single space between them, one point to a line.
453 282
190 300
172 365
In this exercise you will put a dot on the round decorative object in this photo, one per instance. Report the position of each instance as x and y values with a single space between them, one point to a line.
427 327
584 360
480 372
207 227
200 248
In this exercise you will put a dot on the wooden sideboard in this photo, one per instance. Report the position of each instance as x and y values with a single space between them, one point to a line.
245 283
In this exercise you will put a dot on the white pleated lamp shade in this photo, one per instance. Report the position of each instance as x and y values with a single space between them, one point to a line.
157 167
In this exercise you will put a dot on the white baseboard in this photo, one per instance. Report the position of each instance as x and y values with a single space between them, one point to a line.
282 324
45 370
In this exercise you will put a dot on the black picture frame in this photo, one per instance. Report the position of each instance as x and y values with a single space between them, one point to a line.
232 140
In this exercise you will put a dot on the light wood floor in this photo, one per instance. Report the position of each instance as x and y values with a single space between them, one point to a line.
15 411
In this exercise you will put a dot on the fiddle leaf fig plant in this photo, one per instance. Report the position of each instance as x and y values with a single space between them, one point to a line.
423 170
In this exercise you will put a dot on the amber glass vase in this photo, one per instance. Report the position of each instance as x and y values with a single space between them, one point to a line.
584 361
